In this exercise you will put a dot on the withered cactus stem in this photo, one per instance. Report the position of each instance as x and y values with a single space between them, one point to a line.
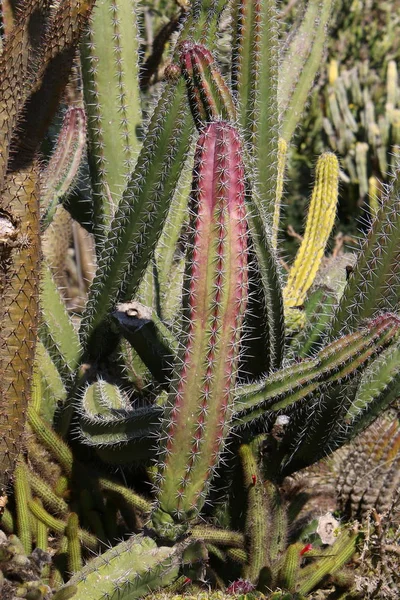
19 310
215 297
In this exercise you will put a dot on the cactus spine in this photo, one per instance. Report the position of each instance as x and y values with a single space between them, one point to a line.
215 291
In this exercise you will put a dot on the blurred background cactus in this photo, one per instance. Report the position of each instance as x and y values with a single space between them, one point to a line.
353 111
168 380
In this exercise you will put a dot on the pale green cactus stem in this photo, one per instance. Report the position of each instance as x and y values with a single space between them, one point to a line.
320 220
282 156
254 83
57 331
129 570
215 295
48 390
301 62
109 53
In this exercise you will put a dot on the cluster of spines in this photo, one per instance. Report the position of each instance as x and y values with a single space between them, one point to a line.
215 293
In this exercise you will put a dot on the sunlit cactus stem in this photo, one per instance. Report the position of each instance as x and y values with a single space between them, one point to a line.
19 308
320 221
215 297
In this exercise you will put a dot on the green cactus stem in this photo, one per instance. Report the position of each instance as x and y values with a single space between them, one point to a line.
376 392
254 83
74 545
339 360
215 298
22 497
57 331
258 513
128 571
335 557
323 426
110 73
374 284
51 441
59 526
302 60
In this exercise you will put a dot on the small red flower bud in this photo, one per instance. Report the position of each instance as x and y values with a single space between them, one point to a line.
306 548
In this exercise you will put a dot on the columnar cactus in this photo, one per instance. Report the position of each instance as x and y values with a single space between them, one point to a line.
215 294
180 373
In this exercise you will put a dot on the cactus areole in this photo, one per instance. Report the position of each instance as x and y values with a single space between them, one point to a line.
215 294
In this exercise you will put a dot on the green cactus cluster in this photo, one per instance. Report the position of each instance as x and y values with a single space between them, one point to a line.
155 429
362 124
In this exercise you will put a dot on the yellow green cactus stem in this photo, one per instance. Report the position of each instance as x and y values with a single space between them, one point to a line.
215 293
320 221
282 156
19 310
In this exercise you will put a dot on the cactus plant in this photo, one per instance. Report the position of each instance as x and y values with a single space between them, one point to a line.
171 412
